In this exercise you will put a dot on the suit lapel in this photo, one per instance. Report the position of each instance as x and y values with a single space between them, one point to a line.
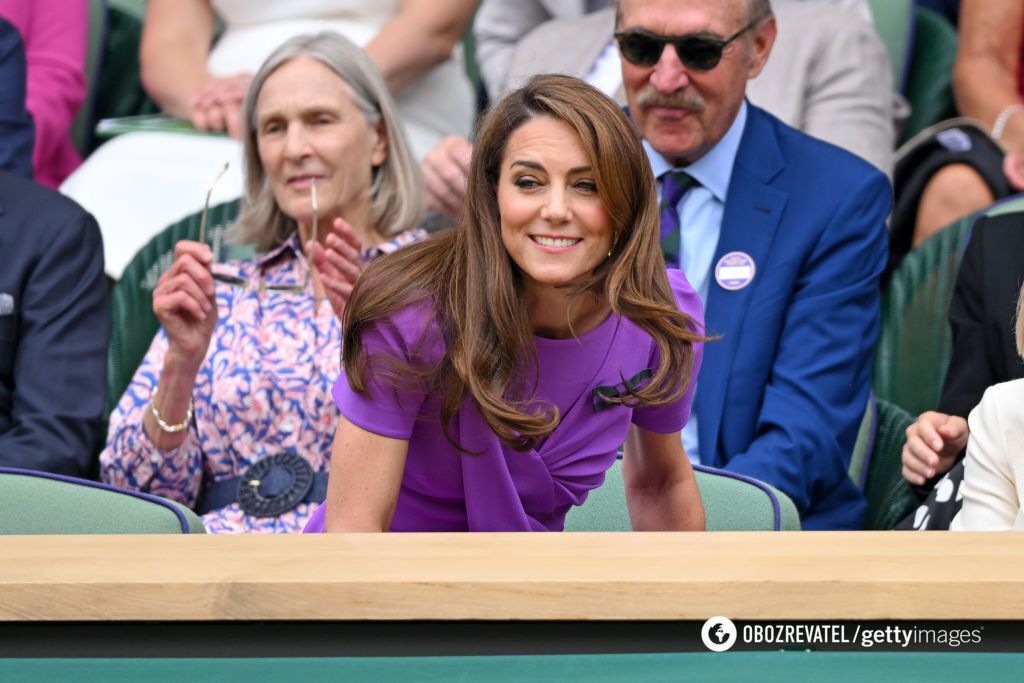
753 208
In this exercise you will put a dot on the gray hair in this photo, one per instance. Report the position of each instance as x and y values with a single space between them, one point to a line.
757 10
397 189
1019 327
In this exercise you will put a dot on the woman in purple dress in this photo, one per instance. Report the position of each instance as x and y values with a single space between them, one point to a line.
492 372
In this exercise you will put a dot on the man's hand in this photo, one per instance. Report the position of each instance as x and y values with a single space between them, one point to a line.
445 169
933 443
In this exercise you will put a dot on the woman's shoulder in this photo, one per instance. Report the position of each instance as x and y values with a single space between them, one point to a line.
1006 399
412 329
1000 413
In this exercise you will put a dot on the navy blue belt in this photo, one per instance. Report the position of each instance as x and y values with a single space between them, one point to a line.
271 487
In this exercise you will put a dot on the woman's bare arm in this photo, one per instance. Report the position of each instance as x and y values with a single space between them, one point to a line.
175 44
661 489
419 38
366 474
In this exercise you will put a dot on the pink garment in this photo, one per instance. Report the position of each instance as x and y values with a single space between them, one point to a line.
56 36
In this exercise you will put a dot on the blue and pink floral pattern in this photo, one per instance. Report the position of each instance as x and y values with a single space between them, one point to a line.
264 388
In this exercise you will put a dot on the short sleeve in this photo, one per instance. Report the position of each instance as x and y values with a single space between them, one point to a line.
672 417
410 337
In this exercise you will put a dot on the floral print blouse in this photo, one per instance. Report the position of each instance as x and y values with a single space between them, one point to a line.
264 388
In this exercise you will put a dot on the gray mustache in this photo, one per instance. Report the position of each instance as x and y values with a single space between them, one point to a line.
649 97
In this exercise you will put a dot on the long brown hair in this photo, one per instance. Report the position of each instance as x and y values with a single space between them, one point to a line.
473 285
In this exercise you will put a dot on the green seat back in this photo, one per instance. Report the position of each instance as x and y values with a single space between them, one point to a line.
42 503
894 23
133 323
861 457
81 127
119 89
888 495
135 8
929 86
915 342
731 503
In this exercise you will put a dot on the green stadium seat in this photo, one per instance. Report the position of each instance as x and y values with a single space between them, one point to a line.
915 341
81 127
929 85
894 21
888 494
732 502
43 503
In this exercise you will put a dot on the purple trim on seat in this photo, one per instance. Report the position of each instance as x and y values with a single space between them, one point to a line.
776 509
105 487
870 454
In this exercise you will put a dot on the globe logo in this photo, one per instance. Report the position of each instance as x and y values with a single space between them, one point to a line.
718 634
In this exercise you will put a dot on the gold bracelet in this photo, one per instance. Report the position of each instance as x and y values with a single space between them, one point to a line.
172 429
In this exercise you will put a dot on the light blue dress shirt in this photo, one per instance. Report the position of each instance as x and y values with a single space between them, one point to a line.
700 221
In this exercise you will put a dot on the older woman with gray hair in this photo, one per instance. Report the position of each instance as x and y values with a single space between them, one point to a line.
230 412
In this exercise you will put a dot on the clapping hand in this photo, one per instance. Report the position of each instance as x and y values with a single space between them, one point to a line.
339 263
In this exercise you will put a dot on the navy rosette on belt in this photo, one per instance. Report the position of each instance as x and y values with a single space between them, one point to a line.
269 488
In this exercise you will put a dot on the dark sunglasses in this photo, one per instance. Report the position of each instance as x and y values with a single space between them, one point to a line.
697 52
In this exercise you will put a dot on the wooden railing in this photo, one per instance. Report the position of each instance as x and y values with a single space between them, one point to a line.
754 576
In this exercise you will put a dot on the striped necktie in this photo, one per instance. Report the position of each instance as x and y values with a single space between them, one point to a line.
674 186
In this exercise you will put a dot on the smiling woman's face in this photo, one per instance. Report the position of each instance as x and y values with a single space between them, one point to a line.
553 221
307 128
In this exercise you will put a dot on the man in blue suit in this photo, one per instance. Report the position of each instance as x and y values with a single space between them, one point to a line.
781 234
54 328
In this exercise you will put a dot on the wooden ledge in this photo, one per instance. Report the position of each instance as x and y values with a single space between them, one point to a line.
628 576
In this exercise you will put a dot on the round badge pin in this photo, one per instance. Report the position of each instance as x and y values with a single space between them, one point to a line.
735 271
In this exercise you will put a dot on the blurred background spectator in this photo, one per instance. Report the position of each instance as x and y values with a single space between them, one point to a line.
55 34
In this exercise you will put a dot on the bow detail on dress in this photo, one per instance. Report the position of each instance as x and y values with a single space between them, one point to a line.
603 396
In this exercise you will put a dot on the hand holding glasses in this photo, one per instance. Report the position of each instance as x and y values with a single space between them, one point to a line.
697 52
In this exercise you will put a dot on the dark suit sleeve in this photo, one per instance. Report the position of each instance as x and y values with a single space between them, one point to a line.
819 382
60 363
17 133
970 369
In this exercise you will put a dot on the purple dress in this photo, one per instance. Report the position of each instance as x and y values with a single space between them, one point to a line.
502 489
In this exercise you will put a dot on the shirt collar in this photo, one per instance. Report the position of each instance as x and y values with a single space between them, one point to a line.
290 245
713 170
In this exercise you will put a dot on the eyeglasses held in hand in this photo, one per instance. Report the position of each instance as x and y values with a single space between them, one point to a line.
697 52
236 281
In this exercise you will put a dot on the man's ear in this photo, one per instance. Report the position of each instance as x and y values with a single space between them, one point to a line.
381 146
761 46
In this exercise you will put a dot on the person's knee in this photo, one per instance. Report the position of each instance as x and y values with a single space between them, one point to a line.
953 192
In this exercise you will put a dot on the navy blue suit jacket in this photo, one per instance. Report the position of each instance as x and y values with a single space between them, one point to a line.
782 393
54 329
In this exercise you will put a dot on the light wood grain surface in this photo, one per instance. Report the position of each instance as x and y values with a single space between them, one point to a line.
800 575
